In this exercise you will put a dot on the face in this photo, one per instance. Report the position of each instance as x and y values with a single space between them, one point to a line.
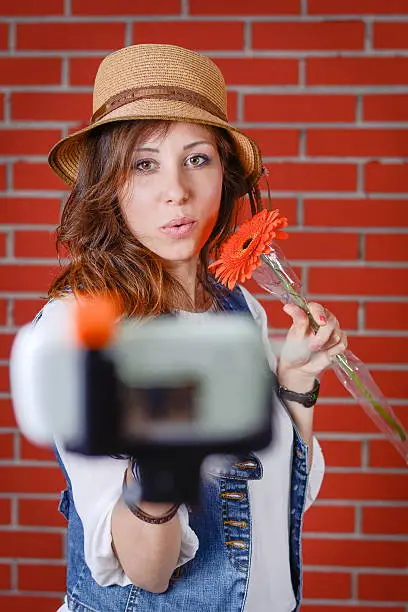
172 198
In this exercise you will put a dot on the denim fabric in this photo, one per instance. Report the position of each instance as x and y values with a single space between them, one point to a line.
216 580
298 489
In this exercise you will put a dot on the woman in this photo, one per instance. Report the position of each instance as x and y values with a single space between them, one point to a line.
157 179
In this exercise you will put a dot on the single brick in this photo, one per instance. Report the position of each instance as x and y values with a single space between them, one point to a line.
390 35
219 35
259 71
323 35
355 212
41 577
35 106
30 71
357 143
385 107
27 142
70 36
242 7
125 7
382 178
357 71
299 108
306 176
39 7
386 247
356 7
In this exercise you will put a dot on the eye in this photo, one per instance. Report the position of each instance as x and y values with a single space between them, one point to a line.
197 160
145 165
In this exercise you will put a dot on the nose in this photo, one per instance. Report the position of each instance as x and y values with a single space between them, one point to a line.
175 189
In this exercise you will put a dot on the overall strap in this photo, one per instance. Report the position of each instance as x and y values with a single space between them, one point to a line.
233 301
61 464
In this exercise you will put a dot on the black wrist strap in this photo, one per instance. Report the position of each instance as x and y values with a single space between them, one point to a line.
306 399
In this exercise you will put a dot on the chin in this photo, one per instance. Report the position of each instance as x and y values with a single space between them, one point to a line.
180 253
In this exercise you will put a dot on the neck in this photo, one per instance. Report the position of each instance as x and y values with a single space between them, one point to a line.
186 274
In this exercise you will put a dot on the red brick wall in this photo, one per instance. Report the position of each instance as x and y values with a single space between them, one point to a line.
323 86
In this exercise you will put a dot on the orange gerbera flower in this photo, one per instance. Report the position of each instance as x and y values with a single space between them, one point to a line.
241 253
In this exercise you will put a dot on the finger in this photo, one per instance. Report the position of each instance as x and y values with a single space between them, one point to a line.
340 346
327 339
323 339
337 336
333 340
295 351
319 313
300 320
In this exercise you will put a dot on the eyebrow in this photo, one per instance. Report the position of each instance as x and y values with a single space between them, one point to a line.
198 142
189 146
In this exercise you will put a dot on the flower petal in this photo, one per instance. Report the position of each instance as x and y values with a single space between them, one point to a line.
237 263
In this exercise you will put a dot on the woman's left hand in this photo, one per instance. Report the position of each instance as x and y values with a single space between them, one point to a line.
305 355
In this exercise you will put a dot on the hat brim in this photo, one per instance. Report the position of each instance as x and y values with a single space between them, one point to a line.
64 158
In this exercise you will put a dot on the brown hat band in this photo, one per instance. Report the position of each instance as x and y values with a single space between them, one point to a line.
161 92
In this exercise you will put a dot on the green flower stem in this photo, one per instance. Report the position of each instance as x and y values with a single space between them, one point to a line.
341 358
347 369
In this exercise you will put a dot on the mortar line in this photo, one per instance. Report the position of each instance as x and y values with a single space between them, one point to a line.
12 36
368 35
65 73
70 18
185 8
128 34
248 37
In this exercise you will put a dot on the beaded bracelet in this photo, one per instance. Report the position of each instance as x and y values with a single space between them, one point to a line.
141 514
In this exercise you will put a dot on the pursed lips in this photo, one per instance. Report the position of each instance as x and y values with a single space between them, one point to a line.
179 221
179 227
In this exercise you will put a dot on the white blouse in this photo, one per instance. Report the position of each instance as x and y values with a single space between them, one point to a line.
97 485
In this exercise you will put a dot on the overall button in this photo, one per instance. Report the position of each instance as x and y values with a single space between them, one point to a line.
236 495
246 465
240 544
241 524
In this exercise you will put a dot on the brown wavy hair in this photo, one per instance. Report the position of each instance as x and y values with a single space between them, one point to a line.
104 255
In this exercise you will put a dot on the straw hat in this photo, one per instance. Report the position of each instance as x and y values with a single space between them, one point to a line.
156 82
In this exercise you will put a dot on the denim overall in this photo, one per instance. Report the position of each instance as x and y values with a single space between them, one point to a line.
216 580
